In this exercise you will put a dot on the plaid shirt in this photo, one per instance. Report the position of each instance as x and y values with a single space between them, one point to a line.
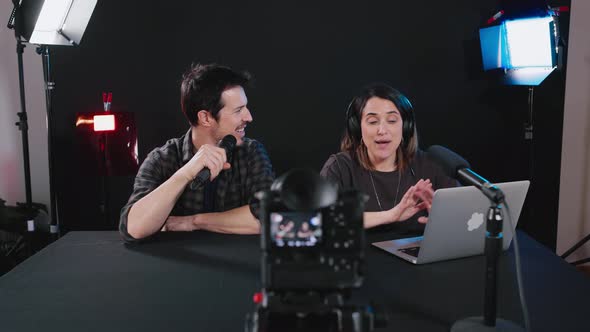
250 171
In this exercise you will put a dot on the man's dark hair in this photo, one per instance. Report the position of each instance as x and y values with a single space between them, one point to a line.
202 86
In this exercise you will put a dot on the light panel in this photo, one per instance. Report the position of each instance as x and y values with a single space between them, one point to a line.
62 22
529 42
524 49
104 122
52 15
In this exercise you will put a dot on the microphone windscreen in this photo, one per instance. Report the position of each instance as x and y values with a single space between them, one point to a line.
448 160
228 143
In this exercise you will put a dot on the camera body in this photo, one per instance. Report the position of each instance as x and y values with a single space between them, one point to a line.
312 243
317 250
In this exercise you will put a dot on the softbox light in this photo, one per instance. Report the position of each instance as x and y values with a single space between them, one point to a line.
55 22
524 48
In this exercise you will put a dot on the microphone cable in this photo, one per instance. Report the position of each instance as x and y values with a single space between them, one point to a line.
523 305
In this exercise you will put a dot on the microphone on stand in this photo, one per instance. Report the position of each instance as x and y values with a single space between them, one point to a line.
228 143
457 167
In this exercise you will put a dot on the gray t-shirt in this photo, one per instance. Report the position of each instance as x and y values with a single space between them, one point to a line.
386 189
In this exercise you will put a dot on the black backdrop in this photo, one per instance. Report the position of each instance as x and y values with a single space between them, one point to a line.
307 60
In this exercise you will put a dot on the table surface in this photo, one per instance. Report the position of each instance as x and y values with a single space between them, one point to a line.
92 281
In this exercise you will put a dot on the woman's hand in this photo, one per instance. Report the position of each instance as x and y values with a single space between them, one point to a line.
425 195
417 198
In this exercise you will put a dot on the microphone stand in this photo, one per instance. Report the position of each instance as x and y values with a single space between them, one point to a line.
493 248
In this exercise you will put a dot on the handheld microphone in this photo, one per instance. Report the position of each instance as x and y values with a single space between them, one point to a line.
228 143
457 167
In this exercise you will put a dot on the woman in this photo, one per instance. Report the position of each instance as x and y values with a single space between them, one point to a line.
380 157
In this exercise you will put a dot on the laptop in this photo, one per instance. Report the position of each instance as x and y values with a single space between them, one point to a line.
457 224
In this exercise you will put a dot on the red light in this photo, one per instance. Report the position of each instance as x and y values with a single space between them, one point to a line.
257 298
104 122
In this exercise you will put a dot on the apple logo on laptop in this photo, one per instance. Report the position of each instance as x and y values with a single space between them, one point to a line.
475 221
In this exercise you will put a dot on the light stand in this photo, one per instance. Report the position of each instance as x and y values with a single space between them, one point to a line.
48 22
23 124
104 189
107 147
43 50
30 209
574 248
529 136
493 248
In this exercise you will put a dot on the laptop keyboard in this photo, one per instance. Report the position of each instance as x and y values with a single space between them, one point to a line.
412 251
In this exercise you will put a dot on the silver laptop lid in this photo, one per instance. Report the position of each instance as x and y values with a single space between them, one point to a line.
457 222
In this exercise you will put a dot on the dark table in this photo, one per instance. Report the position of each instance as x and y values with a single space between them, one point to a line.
91 281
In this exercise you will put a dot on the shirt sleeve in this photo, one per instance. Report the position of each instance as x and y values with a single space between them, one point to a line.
260 173
337 171
148 178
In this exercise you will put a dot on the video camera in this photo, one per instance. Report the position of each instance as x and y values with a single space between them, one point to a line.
312 242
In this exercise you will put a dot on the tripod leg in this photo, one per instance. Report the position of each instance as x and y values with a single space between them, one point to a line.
581 261
575 246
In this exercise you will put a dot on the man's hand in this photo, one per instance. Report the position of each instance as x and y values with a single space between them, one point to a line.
235 221
208 156
180 224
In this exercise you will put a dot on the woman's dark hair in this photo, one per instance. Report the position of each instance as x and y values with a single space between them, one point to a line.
352 141
202 86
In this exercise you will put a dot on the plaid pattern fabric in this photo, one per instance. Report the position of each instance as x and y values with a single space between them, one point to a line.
250 171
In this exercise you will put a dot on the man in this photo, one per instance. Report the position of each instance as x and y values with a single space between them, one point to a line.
215 104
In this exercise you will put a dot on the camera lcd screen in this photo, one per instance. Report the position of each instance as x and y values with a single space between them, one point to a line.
295 229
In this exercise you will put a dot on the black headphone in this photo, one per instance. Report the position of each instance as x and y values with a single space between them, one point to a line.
353 127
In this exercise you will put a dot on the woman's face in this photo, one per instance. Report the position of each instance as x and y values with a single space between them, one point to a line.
381 129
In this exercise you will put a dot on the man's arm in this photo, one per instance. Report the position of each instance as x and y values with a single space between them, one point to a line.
240 220
236 221
148 214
